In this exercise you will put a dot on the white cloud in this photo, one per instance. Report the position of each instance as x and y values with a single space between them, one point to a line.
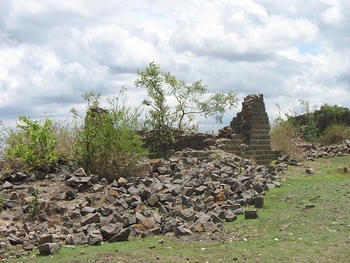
53 51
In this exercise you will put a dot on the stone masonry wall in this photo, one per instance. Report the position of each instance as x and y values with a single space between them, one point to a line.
248 134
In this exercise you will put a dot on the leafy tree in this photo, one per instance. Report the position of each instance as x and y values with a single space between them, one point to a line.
162 89
329 115
108 144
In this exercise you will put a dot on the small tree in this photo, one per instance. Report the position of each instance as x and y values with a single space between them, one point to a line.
163 88
108 144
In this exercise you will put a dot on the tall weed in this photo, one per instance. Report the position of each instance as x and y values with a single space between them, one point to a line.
285 138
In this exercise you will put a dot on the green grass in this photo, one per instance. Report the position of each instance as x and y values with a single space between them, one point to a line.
315 206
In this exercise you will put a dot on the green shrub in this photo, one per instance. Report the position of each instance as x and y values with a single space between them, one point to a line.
107 143
31 144
335 133
285 137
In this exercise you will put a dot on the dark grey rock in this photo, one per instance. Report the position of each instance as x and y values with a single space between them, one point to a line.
11 203
186 201
87 210
250 214
48 248
182 231
94 238
46 239
70 193
309 170
14 240
153 200
187 214
110 230
122 235
76 239
89 219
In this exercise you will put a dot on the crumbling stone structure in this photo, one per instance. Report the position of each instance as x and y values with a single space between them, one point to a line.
248 134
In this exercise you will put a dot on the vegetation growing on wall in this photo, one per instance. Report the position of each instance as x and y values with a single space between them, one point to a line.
108 143
163 120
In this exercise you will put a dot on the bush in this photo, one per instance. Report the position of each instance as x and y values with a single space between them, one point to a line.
335 133
285 137
32 144
107 144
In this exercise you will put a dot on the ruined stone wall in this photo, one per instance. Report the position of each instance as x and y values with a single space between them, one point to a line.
248 134
252 129
196 141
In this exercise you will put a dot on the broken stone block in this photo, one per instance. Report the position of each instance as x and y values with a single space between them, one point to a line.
182 231
45 239
87 210
250 214
230 217
186 201
77 239
110 230
70 193
48 248
187 214
94 238
122 235
259 201
153 200
89 219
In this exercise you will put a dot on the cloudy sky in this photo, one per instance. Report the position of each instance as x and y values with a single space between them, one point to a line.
53 51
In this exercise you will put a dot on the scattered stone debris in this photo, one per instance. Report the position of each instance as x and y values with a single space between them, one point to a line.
192 191
313 151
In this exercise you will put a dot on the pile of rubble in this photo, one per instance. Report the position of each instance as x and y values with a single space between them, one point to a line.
192 191
313 151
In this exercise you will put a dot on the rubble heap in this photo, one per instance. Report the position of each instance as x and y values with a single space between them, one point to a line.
192 191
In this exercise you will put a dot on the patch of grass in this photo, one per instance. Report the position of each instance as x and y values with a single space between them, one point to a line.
313 209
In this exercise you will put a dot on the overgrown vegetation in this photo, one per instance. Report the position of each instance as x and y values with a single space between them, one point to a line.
32 145
335 133
328 125
285 138
164 121
109 141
